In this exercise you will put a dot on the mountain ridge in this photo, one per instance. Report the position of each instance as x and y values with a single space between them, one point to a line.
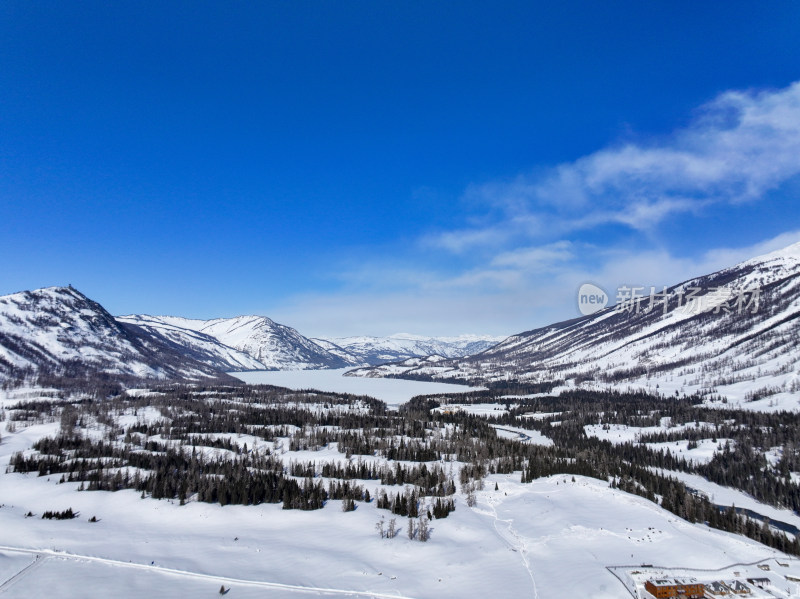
715 348
59 332
264 343
400 346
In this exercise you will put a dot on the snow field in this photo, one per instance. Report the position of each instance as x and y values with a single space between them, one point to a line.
522 434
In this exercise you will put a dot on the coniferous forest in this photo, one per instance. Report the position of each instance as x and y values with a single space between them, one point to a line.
226 445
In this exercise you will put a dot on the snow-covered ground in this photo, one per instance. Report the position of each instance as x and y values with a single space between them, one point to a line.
392 391
540 415
701 454
780 402
478 409
552 538
622 433
566 533
10 397
728 496
522 434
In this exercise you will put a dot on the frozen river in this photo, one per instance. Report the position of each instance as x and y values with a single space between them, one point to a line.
392 391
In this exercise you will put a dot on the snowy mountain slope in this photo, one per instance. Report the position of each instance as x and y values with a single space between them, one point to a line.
735 332
271 345
275 345
351 358
58 331
200 346
378 350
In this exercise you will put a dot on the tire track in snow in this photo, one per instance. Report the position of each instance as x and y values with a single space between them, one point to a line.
36 563
294 588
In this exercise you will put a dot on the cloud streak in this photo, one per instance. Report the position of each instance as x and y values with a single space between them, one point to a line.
740 146
503 301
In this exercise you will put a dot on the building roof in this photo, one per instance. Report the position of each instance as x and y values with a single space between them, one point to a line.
716 586
737 585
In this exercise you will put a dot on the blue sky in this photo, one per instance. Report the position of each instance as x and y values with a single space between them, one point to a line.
374 167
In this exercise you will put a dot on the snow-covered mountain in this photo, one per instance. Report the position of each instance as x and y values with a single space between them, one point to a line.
253 342
259 343
58 331
379 350
200 346
735 332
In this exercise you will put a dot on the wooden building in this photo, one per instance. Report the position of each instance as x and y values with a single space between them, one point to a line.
681 588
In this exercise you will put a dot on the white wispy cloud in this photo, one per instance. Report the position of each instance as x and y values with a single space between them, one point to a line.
740 146
541 257
463 239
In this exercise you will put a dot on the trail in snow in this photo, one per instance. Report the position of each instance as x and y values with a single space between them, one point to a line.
48 553
520 546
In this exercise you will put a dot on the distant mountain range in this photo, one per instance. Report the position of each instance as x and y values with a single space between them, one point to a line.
735 333
378 350
259 343
59 332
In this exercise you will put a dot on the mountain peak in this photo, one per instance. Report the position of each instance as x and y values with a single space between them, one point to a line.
251 342
58 331
789 255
